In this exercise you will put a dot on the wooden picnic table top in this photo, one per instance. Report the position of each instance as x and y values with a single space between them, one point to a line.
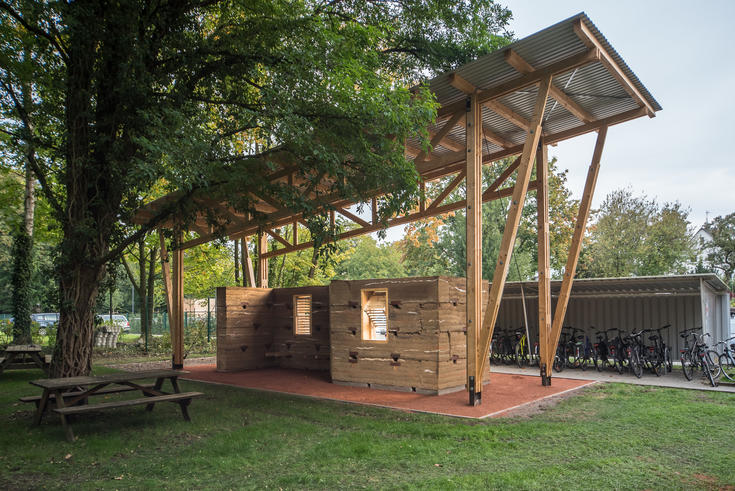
112 378
23 348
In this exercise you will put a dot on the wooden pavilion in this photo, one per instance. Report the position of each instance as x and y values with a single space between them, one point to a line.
559 83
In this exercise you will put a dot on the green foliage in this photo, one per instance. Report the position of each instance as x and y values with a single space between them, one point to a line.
635 236
21 287
368 259
722 255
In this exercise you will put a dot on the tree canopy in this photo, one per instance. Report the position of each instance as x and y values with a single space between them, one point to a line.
196 95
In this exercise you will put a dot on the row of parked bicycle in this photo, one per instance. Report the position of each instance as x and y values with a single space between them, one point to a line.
621 351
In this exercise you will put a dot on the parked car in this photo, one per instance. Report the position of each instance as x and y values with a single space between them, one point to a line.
45 321
117 319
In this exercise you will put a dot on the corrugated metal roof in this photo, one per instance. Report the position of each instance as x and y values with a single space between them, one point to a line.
591 86
634 285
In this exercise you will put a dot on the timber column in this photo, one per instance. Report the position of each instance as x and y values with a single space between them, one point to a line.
177 319
474 246
262 261
544 260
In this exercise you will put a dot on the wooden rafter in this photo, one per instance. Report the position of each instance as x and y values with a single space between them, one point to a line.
278 237
460 83
353 217
516 61
589 39
504 111
441 134
511 226
584 58
447 190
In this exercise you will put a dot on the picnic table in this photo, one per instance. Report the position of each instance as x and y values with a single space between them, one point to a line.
70 396
24 356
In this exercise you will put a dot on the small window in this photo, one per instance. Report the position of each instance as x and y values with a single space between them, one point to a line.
302 315
375 315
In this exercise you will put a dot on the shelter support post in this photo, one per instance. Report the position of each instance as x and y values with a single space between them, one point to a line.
511 225
571 266
166 272
262 260
473 128
544 259
249 271
177 319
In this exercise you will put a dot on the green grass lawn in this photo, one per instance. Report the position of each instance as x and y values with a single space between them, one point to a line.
611 436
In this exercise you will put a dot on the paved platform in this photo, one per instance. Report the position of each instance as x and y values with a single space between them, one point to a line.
504 392
675 379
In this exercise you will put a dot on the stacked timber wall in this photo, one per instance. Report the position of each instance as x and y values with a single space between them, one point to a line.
425 345
255 329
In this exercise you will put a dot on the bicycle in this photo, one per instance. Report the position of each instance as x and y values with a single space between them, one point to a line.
697 355
726 359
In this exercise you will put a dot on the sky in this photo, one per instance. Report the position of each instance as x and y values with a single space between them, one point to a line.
683 52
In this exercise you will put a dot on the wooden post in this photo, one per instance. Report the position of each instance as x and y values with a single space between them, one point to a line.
544 260
177 319
166 273
473 129
579 228
511 225
248 262
262 261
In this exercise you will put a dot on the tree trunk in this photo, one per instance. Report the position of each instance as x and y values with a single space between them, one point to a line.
21 285
314 258
149 292
141 287
92 199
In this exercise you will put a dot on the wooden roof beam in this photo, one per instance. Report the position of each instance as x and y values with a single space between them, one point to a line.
516 61
460 83
561 66
589 39
440 135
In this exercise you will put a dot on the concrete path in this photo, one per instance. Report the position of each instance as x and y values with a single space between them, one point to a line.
674 379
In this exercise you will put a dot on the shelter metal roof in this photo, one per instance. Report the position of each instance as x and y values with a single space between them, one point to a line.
689 284
592 88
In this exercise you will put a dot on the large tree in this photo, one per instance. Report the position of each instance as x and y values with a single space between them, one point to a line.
721 256
636 236
134 93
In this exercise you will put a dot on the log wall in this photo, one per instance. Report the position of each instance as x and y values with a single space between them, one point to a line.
255 329
425 350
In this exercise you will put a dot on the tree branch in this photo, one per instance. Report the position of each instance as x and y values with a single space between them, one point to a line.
36 30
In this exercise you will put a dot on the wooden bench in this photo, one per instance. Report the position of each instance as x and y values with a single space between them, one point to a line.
70 395
182 398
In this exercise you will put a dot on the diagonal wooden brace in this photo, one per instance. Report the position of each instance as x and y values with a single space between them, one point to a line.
511 229
571 267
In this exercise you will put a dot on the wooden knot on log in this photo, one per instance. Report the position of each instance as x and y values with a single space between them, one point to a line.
244 306
243 348
454 359
396 304
353 356
353 304
353 331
